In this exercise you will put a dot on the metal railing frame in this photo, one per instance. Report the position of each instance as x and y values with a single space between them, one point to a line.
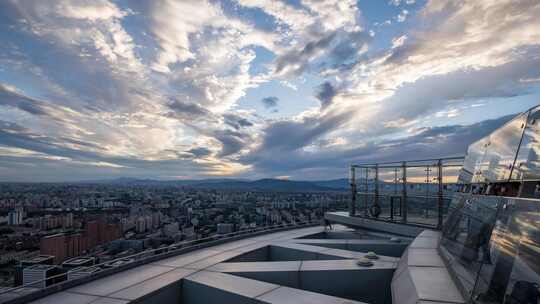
439 163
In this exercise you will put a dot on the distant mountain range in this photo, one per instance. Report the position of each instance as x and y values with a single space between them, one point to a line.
266 184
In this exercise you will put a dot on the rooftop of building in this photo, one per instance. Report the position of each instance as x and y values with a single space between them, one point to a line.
85 270
38 259
40 267
78 261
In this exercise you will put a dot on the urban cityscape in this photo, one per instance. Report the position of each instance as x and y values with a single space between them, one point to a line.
54 224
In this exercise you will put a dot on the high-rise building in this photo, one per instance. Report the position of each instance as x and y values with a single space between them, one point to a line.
15 217
63 246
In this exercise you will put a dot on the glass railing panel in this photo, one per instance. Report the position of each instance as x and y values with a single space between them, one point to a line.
492 246
473 162
511 271
392 190
502 149
466 234
527 166
425 210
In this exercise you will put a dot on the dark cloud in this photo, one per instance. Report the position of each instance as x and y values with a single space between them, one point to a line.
236 121
341 48
301 58
412 100
232 142
331 162
200 152
270 102
14 135
349 46
187 108
189 112
283 137
326 93
21 102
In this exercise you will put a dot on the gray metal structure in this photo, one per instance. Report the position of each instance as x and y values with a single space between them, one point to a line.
413 203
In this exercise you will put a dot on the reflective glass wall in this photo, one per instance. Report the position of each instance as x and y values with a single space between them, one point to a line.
510 153
492 246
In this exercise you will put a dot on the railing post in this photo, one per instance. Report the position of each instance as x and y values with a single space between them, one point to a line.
404 192
427 201
440 194
395 180
392 208
366 195
376 201
352 206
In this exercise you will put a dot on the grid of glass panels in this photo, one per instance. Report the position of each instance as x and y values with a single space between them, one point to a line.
493 247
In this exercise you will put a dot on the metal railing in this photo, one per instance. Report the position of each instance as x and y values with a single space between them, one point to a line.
404 185
137 259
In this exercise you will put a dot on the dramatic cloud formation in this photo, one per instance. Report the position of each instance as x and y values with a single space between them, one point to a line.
254 88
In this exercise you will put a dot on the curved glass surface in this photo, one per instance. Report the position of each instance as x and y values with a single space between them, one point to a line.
466 173
492 245
466 235
502 149
475 157
527 165
491 159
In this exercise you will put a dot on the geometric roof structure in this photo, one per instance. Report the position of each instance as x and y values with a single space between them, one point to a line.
308 265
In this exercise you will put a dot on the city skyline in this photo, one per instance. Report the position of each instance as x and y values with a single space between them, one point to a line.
254 89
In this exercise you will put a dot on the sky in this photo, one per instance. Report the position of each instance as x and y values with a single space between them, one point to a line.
254 89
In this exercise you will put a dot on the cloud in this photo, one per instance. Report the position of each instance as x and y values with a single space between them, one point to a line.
270 102
98 10
398 41
457 57
187 111
285 136
402 16
10 97
431 142
326 93
296 61
200 152
173 37
231 141
236 121
398 2
313 30
415 99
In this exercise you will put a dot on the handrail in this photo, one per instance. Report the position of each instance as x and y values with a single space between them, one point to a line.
145 254
408 195
406 161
